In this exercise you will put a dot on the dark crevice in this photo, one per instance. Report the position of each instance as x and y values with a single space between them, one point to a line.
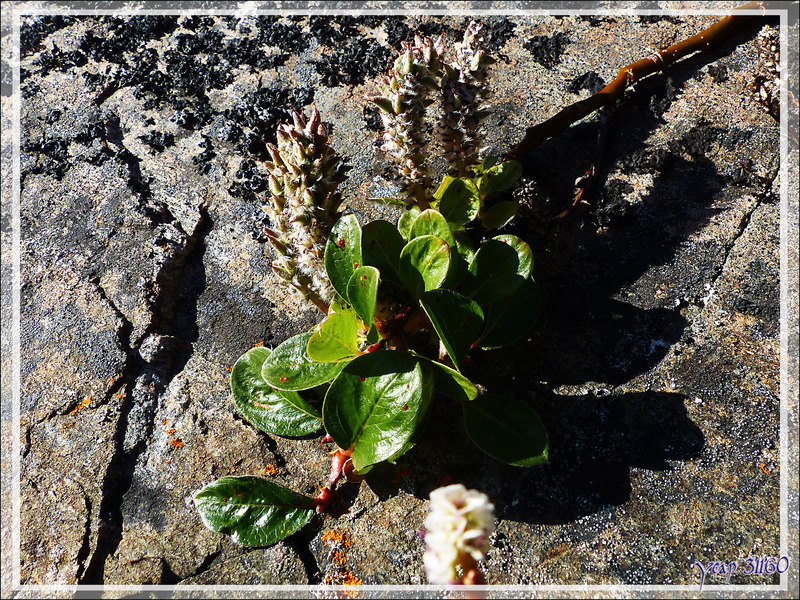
301 546
83 552
148 373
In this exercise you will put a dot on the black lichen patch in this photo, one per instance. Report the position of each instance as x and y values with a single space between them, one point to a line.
588 81
497 33
757 293
34 30
333 31
699 141
595 21
360 60
262 110
126 35
718 73
613 209
645 160
548 49
158 140
62 61
650 19
205 158
660 104
372 118
251 181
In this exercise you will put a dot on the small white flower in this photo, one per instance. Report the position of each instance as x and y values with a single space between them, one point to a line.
459 525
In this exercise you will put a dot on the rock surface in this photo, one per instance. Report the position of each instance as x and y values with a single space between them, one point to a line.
655 365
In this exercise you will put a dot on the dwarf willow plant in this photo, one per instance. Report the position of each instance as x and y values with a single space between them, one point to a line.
404 303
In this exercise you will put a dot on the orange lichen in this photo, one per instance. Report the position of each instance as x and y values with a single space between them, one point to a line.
227 368
270 469
86 402
334 538
763 467
70 424
259 344
171 431
164 422
349 579
338 557
176 443
235 468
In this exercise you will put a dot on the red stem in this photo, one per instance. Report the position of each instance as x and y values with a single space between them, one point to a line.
626 77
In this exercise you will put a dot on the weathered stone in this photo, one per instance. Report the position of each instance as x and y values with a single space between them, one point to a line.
655 364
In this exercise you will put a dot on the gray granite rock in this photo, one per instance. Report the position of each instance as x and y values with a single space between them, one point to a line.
655 364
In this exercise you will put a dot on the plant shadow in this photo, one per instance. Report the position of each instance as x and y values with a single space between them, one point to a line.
595 442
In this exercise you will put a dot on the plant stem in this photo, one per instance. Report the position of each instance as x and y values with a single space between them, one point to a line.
627 76
325 497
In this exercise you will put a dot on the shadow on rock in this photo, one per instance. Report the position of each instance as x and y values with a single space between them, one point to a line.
594 444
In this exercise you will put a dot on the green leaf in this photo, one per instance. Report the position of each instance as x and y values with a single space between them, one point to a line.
460 202
407 221
336 339
289 367
500 214
431 222
446 181
457 320
381 244
343 253
510 318
493 273
373 406
506 429
451 383
281 413
525 266
385 104
424 263
253 511
362 290
500 177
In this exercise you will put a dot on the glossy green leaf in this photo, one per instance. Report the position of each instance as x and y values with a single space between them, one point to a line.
500 214
343 253
493 273
290 368
381 244
252 510
336 339
460 202
457 320
525 266
446 181
407 221
500 177
362 290
460 260
510 318
506 429
431 222
424 263
273 411
451 383
373 406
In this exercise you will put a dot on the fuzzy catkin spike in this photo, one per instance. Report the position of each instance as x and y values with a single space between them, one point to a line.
403 97
464 91
303 204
